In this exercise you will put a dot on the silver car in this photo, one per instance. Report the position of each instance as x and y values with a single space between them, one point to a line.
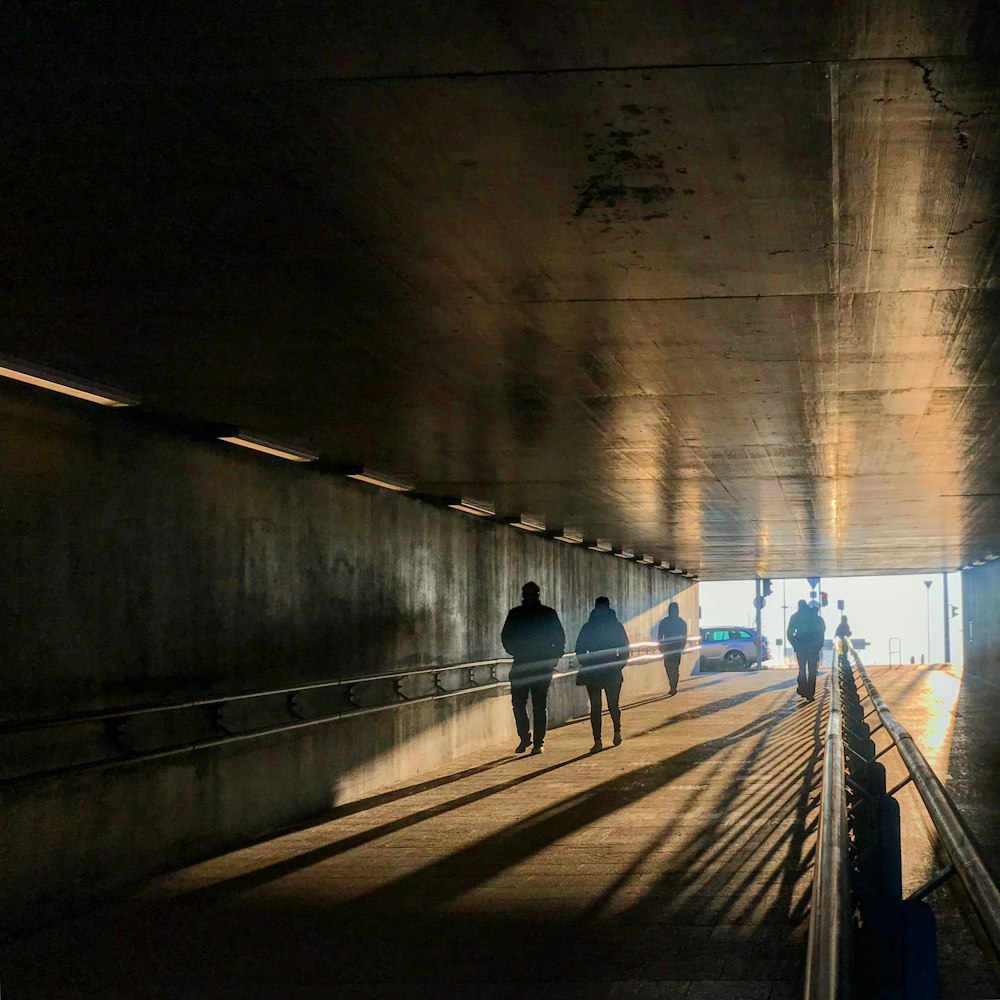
733 645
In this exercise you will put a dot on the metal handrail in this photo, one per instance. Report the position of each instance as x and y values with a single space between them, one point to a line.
107 715
958 841
828 955
639 652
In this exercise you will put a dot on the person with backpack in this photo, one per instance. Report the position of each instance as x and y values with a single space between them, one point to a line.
602 649
843 629
806 632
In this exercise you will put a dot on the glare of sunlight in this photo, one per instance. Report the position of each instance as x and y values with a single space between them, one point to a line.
938 698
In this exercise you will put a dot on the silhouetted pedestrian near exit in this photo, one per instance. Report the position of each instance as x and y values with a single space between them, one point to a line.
806 632
672 634
843 631
602 649
534 637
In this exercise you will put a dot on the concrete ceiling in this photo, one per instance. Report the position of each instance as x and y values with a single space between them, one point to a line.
721 288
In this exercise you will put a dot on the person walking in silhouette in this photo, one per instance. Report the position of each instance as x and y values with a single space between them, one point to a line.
806 632
672 633
534 637
843 631
602 649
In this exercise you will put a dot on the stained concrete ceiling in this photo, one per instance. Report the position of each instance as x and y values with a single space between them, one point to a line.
718 287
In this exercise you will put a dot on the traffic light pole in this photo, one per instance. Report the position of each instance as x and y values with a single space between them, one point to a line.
784 623
757 605
947 621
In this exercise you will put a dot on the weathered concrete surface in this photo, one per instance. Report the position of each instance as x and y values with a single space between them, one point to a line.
952 718
678 864
981 624
150 567
143 568
526 251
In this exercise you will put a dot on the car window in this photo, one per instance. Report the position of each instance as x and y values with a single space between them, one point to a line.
744 634
719 635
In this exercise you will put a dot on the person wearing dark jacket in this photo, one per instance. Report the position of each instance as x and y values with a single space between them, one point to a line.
672 633
843 629
602 649
806 632
534 637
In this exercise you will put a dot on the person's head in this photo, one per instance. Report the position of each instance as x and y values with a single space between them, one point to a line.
814 606
843 619
531 593
602 604
803 606
673 611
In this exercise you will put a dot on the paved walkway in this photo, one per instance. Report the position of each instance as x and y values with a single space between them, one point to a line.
676 865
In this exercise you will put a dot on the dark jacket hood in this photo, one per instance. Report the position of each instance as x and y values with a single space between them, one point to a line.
603 614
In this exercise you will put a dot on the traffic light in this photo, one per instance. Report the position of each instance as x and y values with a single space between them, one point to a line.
824 598
766 588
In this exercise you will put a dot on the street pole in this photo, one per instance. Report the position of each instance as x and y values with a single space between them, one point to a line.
947 621
927 584
784 622
757 604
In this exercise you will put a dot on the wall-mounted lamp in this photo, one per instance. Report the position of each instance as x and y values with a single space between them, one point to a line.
991 555
388 482
674 569
599 545
526 523
68 385
570 537
978 562
477 507
269 447
623 553
647 561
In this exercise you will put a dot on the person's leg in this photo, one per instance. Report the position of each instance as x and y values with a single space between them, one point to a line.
519 700
594 694
673 665
614 708
813 671
801 656
539 713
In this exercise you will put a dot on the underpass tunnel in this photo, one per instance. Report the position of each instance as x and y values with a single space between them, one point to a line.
327 327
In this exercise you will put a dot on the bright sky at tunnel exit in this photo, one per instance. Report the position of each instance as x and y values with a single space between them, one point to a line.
877 607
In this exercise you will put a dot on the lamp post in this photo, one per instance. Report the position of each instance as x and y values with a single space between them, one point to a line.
784 623
947 620
927 584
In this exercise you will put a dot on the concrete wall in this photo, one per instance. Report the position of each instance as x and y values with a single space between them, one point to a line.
141 566
981 622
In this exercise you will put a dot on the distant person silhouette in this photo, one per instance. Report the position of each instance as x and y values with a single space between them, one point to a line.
806 632
843 629
534 637
672 635
602 649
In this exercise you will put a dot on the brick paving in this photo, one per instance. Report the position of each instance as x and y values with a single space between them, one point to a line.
676 865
